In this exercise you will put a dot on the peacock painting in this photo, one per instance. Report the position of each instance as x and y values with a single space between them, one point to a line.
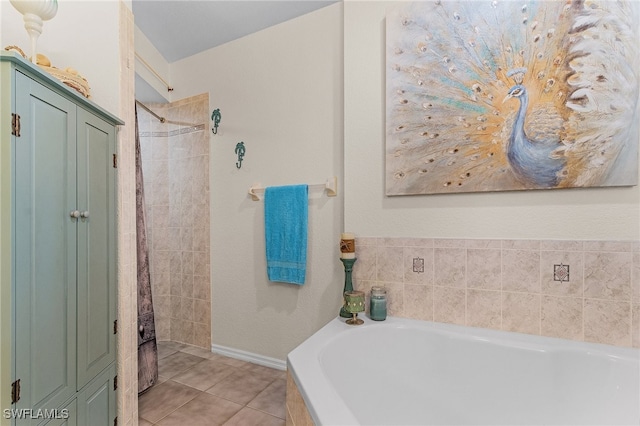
503 95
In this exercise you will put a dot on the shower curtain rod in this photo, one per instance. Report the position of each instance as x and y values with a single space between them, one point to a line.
162 119
154 72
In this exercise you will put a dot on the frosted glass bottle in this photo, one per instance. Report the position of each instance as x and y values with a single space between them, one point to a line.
378 304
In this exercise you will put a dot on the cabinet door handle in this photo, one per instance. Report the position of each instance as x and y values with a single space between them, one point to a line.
74 214
84 214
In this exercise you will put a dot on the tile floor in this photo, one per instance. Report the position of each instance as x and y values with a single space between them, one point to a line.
197 387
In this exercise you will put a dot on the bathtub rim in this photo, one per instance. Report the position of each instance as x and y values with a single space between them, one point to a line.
304 362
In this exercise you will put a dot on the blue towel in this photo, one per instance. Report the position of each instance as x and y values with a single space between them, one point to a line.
285 229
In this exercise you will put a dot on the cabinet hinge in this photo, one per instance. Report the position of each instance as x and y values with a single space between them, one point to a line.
115 161
15 125
15 391
115 382
115 327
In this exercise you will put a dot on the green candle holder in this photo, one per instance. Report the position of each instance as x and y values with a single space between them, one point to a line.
354 303
348 284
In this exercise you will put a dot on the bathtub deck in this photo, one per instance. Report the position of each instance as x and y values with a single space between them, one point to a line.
415 372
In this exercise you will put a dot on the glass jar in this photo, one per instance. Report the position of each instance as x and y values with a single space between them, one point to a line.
378 304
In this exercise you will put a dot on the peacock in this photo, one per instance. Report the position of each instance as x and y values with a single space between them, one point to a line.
496 95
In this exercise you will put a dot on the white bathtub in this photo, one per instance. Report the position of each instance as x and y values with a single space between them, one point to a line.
407 372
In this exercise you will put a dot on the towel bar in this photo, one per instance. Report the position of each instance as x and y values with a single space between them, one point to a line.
331 186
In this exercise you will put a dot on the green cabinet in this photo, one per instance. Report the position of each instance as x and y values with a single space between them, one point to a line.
62 243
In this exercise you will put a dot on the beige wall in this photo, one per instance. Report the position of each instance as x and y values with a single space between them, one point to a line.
280 92
594 214
83 35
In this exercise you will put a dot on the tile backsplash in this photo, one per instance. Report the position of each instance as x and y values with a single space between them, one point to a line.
578 290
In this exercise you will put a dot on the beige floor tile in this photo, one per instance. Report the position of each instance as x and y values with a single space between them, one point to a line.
166 348
185 372
270 373
205 410
241 386
195 350
204 375
272 399
177 363
144 422
230 361
163 399
249 416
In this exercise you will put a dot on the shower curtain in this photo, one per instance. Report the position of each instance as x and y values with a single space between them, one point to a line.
147 347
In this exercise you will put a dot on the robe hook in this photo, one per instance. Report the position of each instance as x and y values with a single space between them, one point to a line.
216 116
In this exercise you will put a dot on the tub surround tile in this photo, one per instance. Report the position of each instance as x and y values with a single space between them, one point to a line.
607 321
521 312
395 298
635 325
510 284
484 309
449 305
521 271
607 275
389 263
612 246
561 245
449 267
521 244
561 317
484 268
484 244
635 277
297 412
418 302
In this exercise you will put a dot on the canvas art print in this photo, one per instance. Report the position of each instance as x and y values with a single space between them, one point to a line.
511 95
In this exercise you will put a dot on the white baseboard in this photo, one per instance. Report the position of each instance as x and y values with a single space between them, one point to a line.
249 357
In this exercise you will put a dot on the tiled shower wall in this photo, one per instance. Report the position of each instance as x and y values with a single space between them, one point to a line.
175 163
577 290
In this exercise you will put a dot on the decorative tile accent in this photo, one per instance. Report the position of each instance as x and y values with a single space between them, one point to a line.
549 280
561 272
509 284
418 265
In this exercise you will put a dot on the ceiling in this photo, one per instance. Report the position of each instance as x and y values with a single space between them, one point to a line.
181 28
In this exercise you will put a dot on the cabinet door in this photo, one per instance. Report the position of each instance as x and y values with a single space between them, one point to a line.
45 247
66 416
97 401
96 246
